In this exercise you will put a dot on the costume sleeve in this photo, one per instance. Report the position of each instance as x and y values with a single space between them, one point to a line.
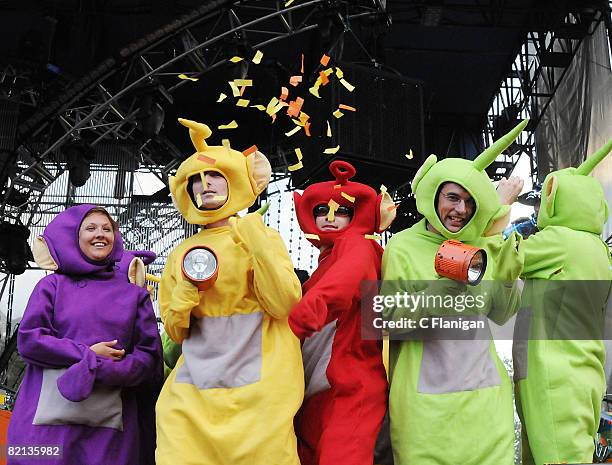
176 300
275 283
336 290
544 254
135 368
37 339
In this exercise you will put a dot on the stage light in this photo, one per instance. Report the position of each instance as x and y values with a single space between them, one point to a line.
461 262
14 247
200 266
78 155
150 116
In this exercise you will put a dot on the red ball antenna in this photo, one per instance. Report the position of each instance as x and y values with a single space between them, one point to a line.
342 171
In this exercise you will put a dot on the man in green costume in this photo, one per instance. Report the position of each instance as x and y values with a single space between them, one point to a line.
559 369
451 400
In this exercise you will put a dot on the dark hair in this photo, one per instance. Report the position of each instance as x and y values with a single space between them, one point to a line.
102 210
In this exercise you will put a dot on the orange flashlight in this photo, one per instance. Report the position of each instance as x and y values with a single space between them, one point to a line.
200 266
461 262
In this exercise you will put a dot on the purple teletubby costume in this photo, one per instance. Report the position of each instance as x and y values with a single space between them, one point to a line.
70 397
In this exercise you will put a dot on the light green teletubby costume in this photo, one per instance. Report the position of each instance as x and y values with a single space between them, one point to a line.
560 381
451 400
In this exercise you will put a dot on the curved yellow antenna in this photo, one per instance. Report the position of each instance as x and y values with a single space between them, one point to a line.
489 155
198 132
591 162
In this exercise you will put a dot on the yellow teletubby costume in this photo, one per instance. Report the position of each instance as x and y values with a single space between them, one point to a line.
234 392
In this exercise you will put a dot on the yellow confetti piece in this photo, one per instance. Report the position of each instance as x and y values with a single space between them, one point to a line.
219 197
331 150
374 237
348 86
410 155
259 107
242 103
298 152
199 201
383 188
328 71
324 60
258 56
243 82
304 117
289 2
329 133
338 114
222 97
339 73
235 90
184 76
271 106
236 59
350 198
293 131
333 206
232 125
297 166
314 90
312 236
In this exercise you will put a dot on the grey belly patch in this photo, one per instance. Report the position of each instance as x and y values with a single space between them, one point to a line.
223 352
316 353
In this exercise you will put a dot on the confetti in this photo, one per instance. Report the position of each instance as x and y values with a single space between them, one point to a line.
235 90
347 107
314 90
350 198
302 68
207 159
235 59
289 2
242 89
297 166
243 82
298 152
323 77
199 200
295 80
250 150
219 197
184 76
304 117
222 97
331 150
333 206
295 106
374 237
259 107
410 155
337 186
284 93
328 72
324 60
348 86
232 125
339 73
338 114
293 131
258 56
312 236
329 133
307 129
242 103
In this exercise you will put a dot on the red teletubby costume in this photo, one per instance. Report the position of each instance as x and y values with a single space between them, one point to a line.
346 386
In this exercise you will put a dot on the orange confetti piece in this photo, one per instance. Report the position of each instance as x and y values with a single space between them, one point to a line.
284 93
206 159
324 60
312 236
242 89
337 186
304 117
295 80
347 107
273 118
324 78
329 133
302 67
295 106
307 129
250 150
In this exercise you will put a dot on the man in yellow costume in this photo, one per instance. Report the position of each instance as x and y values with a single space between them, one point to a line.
234 392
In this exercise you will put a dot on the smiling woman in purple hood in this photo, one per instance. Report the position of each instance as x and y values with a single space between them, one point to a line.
90 342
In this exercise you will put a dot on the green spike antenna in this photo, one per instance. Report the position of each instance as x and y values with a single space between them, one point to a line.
489 155
591 162
263 209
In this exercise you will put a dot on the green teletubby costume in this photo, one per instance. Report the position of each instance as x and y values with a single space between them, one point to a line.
560 382
451 400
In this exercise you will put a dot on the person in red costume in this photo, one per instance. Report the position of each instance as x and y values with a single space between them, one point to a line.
346 386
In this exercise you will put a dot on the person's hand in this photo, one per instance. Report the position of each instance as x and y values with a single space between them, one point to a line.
105 349
249 232
509 189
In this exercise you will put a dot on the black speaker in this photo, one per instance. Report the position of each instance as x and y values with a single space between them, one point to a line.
386 126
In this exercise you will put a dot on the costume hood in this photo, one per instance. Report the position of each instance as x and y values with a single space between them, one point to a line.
371 213
490 216
246 176
58 247
574 199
